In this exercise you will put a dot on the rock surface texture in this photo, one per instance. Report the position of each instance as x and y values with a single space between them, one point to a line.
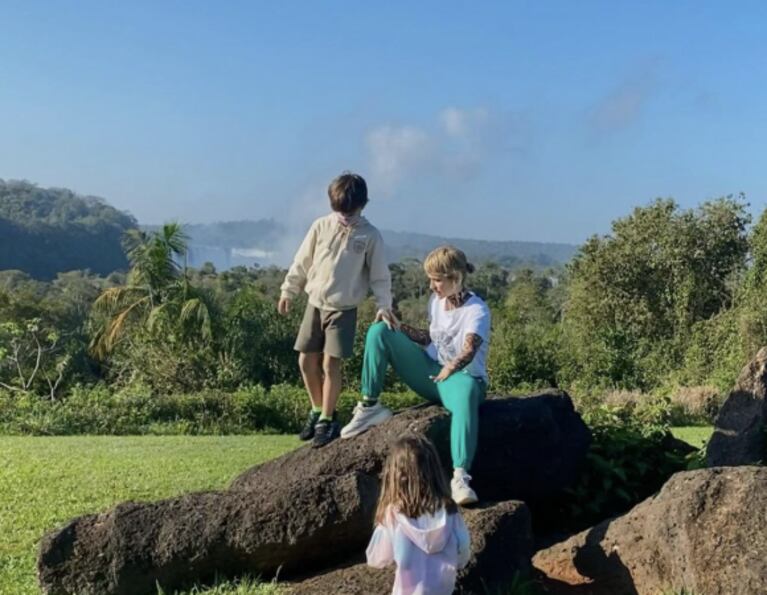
705 531
739 432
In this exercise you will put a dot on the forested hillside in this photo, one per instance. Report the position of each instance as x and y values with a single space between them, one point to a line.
44 231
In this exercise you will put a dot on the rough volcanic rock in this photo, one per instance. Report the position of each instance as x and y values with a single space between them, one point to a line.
529 447
739 430
501 542
705 531
173 543
309 509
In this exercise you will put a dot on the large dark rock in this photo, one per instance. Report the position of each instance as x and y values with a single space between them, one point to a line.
705 531
739 432
529 447
502 544
296 525
308 509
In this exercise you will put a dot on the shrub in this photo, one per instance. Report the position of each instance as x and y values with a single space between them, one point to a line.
630 458
97 410
692 405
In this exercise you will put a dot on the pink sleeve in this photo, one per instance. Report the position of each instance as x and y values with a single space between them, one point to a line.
463 539
380 552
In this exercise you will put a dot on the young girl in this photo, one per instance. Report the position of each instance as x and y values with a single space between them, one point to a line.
418 526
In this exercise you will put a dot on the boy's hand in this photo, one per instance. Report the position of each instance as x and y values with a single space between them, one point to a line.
283 306
389 319
444 373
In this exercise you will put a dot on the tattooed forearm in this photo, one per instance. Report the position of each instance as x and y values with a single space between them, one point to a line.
471 345
417 335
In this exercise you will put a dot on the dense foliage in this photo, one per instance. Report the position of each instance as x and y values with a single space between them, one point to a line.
671 298
45 231
135 411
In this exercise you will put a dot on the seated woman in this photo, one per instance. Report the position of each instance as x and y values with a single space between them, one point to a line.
444 364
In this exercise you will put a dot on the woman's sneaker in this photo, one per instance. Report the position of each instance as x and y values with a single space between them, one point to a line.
460 490
365 418
307 432
325 431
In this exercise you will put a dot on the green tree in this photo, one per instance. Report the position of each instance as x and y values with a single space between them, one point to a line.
157 324
257 345
31 358
44 231
490 282
634 296
720 346
525 342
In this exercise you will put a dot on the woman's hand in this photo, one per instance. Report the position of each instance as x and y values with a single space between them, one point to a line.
389 319
444 373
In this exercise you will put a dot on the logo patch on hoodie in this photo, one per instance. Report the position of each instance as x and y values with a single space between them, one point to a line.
359 244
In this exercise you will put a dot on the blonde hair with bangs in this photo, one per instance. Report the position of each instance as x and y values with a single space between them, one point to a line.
413 481
448 262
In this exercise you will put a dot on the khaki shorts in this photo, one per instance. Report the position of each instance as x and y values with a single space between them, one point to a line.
327 331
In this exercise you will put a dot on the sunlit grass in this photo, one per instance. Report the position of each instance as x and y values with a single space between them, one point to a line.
44 482
697 436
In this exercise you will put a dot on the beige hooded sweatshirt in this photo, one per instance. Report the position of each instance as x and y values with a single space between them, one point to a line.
337 264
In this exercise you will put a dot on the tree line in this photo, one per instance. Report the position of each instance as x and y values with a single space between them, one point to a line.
47 230
670 297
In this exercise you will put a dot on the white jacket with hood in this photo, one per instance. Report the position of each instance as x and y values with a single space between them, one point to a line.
337 264
428 551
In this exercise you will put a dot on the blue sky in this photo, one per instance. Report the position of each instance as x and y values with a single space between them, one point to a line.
499 120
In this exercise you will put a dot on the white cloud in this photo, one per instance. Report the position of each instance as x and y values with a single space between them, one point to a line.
463 123
396 152
458 146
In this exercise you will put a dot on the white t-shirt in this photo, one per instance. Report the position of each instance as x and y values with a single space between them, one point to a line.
448 329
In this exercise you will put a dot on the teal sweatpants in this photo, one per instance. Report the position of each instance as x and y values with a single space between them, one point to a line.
460 394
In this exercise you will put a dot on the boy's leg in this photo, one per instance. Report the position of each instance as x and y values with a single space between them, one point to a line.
310 365
309 344
338 329
331 386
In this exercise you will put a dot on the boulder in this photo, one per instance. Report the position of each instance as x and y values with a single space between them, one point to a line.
529 448
705 531
502 544
739 430
296 525
309 509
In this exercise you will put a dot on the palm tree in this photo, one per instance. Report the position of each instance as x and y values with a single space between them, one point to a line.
156 293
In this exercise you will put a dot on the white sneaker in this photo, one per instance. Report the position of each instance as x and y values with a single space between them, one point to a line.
460 490
365 418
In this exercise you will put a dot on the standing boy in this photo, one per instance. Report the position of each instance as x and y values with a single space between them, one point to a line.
341 258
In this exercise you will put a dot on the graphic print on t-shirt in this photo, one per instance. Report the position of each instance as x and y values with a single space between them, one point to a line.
444 341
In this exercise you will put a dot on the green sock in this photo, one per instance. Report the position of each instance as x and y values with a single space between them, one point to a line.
316 409
368 401
324 417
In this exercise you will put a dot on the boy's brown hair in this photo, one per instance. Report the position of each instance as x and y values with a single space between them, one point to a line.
413 481
348 192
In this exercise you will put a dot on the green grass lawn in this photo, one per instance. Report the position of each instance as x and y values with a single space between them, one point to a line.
44 482
695 435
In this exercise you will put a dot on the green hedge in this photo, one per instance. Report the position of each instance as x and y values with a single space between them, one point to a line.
97 410
632 454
